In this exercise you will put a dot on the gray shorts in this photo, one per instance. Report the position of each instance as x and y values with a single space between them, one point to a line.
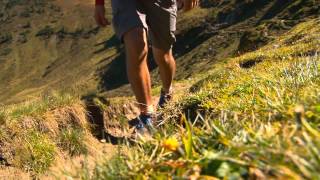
158 17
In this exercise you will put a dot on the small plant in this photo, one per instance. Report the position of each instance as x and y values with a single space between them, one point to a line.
113 169
35 153
187 139
72 140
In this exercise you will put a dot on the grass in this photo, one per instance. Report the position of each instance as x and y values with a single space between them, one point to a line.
36 108
32 133
72 140
60 65
2 116
107 170
255 116
35 153
259 122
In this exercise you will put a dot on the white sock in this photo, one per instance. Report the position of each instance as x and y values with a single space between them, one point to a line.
167 91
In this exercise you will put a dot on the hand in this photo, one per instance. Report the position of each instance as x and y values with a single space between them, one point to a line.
99 16
187 5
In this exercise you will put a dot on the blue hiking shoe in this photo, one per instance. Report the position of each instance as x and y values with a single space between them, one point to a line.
140 130
144 128
164 98
147 121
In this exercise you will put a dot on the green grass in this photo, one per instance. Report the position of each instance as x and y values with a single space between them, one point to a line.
108 170
35 153
238 121
36 108
72 140
257 122
31 137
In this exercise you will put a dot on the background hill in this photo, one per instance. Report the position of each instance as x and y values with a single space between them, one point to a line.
55 45
49 45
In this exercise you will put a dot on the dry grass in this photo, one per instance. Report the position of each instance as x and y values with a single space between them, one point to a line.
32 132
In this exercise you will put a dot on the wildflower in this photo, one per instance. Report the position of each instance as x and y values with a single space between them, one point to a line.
171 144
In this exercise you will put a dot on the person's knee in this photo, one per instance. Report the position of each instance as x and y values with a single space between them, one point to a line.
168 55
165 55
136 42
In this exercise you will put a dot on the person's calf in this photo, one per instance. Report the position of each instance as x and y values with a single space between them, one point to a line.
138 74
167 68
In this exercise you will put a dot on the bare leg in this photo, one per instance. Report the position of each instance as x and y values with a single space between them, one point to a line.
138 73
167 67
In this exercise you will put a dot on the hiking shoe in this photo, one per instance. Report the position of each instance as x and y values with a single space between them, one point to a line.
147 121
164 98
141 131
144 129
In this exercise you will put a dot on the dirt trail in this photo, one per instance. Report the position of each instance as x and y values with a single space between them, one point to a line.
120 115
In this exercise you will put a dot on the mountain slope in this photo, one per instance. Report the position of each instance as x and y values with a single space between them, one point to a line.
246 104
55 45
255 116
252 116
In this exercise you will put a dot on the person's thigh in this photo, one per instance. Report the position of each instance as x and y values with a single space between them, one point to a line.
161 19
127 15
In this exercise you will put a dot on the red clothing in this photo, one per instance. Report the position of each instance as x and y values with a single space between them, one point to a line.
99 2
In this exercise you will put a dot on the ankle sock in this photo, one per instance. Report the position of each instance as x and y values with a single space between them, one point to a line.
148 110
166 91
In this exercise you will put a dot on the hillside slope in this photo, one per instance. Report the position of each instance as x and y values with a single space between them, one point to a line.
55 45
246 100
255 116
49 45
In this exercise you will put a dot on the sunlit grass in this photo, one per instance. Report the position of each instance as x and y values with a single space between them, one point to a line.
73 141
39 107
241 123
30 136
35 152
258 120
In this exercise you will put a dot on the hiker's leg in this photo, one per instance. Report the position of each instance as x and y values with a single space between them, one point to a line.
167 67
136 47
161 18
